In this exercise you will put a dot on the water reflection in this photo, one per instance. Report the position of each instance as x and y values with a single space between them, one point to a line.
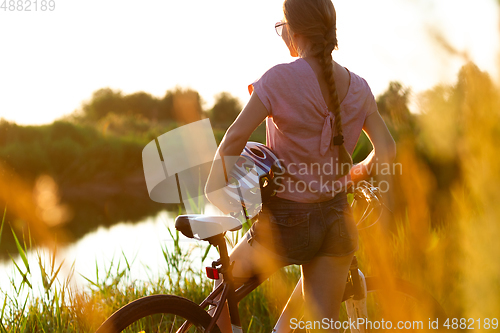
140 243
88 206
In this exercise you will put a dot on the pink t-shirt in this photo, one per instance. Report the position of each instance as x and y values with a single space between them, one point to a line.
299 128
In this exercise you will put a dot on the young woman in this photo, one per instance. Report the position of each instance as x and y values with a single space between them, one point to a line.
315 110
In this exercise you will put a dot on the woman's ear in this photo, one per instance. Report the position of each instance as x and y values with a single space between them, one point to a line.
294 52
296 41
289 41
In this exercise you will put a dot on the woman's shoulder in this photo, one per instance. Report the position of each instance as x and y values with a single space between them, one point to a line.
360 95
358 81
279 75
359 87
286 68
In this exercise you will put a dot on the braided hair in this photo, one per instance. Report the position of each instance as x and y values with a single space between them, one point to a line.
316 20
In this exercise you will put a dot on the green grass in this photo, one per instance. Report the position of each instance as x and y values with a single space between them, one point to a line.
59 307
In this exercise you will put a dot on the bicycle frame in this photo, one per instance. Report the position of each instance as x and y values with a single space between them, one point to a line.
354 292
226 290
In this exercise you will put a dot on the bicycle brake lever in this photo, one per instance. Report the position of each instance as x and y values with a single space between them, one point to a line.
376 191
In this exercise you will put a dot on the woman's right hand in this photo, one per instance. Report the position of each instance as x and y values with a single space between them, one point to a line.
359 172
384 148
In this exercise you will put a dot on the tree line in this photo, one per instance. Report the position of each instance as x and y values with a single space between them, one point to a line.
178 105
185 105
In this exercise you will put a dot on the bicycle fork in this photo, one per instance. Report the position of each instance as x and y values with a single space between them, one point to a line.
356 305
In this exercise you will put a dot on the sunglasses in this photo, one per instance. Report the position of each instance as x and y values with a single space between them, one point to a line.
279 27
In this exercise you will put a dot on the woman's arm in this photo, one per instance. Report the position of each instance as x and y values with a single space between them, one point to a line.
384 147
232 144
247 121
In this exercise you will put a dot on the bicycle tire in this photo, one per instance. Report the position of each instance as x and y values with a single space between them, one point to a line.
158 308
402 302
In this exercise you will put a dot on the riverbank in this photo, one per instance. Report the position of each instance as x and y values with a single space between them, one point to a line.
61 307
74 178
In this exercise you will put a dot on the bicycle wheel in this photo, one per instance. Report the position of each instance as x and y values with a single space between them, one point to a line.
158 313
401 306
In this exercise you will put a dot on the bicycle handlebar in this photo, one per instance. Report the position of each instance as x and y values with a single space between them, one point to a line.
372 196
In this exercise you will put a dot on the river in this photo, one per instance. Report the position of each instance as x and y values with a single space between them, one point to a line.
140 243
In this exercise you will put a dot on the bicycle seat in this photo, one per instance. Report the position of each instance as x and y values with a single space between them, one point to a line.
205 226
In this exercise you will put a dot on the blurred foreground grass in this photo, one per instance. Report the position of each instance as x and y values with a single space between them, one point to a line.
445 227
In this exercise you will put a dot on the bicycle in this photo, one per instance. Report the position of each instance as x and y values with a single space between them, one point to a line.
364 297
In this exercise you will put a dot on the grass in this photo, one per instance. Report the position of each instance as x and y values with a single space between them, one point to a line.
62 308
59 307
442 235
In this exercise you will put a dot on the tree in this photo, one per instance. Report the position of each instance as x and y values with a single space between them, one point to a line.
186 105
103 101
166 106
142 104
225 109
393 106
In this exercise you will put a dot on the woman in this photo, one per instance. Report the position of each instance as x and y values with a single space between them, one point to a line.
315 111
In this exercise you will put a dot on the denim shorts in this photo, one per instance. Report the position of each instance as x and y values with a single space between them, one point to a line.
296 232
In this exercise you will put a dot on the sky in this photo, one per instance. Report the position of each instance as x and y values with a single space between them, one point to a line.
52 61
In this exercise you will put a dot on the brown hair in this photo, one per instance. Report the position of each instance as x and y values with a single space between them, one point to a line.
316 20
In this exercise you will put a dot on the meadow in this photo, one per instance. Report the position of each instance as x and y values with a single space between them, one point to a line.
441 232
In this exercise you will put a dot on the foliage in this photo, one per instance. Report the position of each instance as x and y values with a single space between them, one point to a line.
225 110
99 178
95 158
63 148
393 107
180 105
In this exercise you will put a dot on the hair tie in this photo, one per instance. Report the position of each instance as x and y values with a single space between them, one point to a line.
329 47
338 140
330 38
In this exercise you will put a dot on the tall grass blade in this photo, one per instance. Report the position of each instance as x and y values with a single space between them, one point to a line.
21 317
95 284
3 310
3 221
96 272
21 251
24 275
45 280
205 255
108 273
126 261
54 276
53 260
194 206
29 238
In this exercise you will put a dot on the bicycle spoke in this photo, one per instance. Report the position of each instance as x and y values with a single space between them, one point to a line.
172 327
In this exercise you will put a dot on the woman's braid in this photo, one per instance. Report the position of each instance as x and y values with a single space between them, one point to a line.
329 43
